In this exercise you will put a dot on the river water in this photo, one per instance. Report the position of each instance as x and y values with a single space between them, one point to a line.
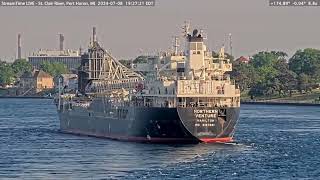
272 142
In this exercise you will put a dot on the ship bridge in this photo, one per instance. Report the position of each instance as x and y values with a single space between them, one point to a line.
192 78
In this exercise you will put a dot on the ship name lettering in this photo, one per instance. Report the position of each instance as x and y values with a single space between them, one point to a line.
205 115
207 125
205 111
205 120
204 125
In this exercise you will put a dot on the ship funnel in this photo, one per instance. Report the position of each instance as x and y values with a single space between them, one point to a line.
195 33
195 62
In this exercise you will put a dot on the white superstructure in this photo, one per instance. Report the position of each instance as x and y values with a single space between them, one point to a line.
191 78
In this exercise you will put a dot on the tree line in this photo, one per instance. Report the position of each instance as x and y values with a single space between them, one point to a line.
266 74
273 73
11 72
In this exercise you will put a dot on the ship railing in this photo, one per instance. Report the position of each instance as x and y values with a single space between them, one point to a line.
182 104
110 85
207 104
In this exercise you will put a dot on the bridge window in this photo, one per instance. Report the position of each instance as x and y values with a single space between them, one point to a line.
199 46
193 46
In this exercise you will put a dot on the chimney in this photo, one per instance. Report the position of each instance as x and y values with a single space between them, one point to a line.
19 46
94 34
80 50
61 42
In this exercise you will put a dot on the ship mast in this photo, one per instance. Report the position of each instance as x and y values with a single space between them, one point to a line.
176 45
230 43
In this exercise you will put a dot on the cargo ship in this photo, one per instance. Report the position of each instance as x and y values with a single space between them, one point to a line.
184 96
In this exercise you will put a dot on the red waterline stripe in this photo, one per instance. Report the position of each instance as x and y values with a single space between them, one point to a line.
217 140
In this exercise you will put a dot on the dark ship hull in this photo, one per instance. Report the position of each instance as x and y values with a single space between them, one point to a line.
190 102
152 124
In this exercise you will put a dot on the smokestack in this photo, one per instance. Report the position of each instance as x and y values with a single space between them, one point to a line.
80 50
19 46
94 34
61 42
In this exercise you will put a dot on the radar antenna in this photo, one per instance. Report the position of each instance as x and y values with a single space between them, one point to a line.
221 53
203 34
186 28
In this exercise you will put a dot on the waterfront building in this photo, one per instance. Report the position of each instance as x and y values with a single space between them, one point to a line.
243 59
70 58
69 82
35 82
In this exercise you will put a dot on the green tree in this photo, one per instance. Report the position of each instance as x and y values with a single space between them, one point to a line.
47 67
267 58
54 69
285 80
306 62
244 75
20 66
257 90
60 69
267 73
303 83
6 74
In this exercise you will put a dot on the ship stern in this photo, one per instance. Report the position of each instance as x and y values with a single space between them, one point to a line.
210 125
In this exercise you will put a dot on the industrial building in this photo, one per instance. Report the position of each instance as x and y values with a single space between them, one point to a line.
70 58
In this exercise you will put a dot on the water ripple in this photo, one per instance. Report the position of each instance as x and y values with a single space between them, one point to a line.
272 142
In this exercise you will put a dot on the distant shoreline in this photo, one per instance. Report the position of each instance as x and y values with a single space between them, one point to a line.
280 103
25 97
242 102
